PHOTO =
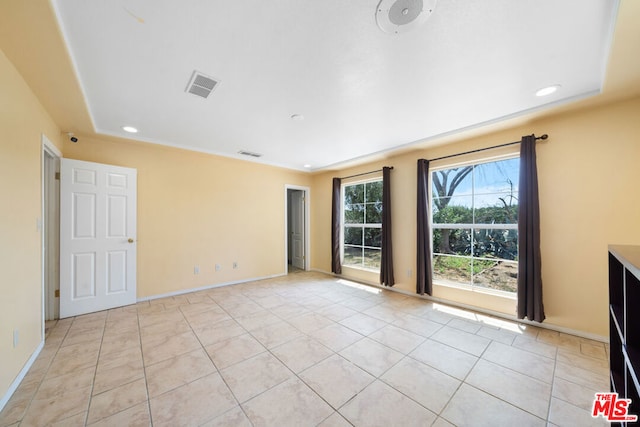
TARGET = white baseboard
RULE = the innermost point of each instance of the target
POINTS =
(204, 288)
(550, 326)
(14, 385)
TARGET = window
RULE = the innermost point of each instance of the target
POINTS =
(475, 225)
(362, 232)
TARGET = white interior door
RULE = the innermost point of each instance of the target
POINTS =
(97, 237)
(297, 229)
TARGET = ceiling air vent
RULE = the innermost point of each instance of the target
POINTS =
(201, 85)
(249, 153)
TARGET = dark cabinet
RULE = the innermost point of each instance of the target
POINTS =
(624, 322)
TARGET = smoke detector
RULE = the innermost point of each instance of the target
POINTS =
(201, 85)
(399, 16)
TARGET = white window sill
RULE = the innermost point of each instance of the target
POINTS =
(365, 269)
(478, 289)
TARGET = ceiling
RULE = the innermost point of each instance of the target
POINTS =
(361, 91)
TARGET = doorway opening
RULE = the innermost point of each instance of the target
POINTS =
(296, 228)
(50, 230)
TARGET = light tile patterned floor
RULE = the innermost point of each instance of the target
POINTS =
(306, 349)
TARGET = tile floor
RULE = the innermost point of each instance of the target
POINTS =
(306, 349)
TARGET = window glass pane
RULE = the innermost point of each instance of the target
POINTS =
(374, 213)
(354, 214)
(373, 191)
(353, 235)
(452, 241)
(354, 194)
(373, 237)
(497, 177)
(500, 275)
(484, 194)
(498, 208)
(372, 258)
(452, 210)
(496, 243)
(451, 182)
(452, 270)
(352, 256)
(362, 206)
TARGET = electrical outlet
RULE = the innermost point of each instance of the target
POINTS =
(235, 264)
(409, 273)
(16, 338)
(196, 270)
(217, 267)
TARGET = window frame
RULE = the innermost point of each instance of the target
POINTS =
(364, 225)
(471, 227)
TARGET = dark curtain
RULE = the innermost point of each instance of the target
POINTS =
(386, 264)
(424, 279)
(336, 265)
(529, 261)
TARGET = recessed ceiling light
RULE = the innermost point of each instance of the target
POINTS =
(547, 90)
(129, 129)
(307, 166)
(297, 117)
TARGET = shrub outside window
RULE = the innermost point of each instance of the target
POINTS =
(475, 225)
(362, 219)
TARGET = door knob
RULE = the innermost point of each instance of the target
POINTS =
(130, 240)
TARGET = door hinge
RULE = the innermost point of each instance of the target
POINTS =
(57, 176)
(57, 293)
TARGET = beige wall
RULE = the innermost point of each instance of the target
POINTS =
(588, 171)
(199, 209)
(22, 122)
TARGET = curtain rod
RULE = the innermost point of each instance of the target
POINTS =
(364, 173)
(545, 136)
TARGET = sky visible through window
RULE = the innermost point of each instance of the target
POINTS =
(491, 181)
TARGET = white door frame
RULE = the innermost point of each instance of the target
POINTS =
(48, 148)
(307, 237)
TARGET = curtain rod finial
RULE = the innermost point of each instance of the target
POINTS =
(544, 136)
